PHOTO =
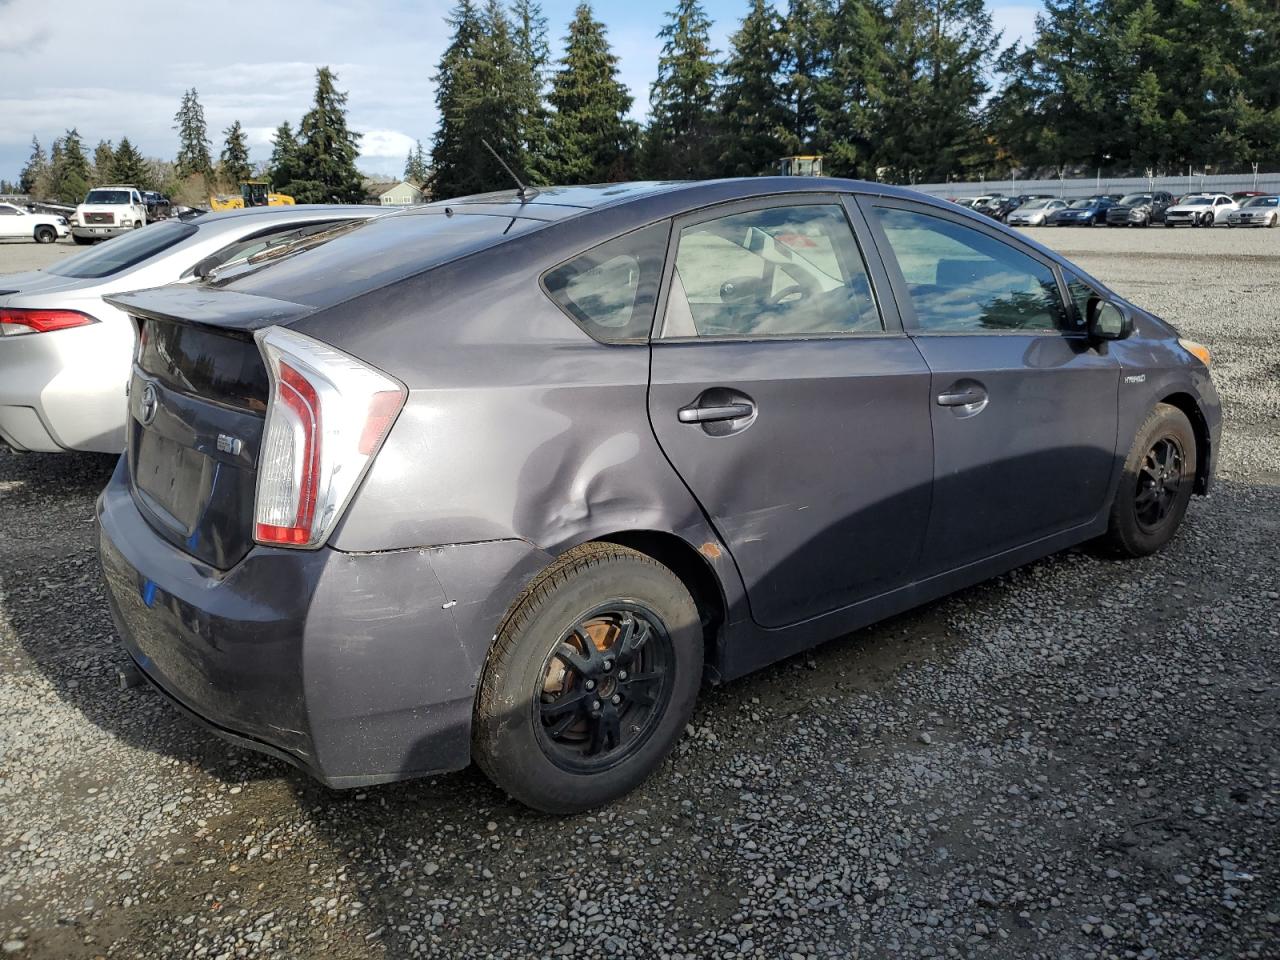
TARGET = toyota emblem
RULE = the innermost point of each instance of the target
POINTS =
(150, 404)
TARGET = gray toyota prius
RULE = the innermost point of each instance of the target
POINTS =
(506, 478)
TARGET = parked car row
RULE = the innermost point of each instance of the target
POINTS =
(1245, 208)
(503, 478)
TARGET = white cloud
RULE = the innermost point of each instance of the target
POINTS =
(389, 144)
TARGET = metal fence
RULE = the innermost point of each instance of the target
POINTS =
(1087, 186)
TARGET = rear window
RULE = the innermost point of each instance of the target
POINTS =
(123, 252)
(611, 290)
(371, 255)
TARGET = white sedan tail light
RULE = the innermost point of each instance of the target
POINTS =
(327, 416)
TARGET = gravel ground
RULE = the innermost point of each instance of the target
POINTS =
(1076, 760)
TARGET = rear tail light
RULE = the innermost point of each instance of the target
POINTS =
(327, 416)
(15, 321)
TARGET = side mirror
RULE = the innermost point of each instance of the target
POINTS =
(1108, 321)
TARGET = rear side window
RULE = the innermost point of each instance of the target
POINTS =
(123, 252)
(610, 291)
(963, 280)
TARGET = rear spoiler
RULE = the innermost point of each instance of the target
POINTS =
(187, 303)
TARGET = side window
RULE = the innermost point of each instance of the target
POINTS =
(610, 290)
(963, 280)
(1080, 293)
(778, 271)
(8, 212)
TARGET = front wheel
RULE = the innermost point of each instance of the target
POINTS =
(1155, 485)
(1275, 220)
(590, 681)
(46, 234)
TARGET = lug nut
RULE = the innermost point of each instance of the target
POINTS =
(595, 704)
(615, 699)
(590, 684)
(608, 664)
(622, 674)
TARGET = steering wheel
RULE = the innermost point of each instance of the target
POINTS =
(805, 285)
(786, 292)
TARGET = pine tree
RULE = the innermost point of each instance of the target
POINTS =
(938, 52)
(327, 149)
(36, 170)
(70, 175)
(591, 138)
(808, 60)
(193, 137)
(415, 166)
(234, 163)
(848, 98)
(129, 166)
(530, 85)
(283, 168)
(455, 149)
(104, 159)
(680, 142)
(752, 98)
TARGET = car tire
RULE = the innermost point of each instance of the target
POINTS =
(82, 241)
(1206, 219)
(1156, 483)
(45, 234)
(559, 724)
(1275, 220)
(137, 225)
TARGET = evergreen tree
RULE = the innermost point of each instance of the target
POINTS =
(36, 170)
(808, 60)
(129, 166)
(530, 84)
(327, 149)
(938, 53)
(234, 163)
(680, 141)
(591, 138)
(848, 98)
(193, 137)
(478, 91)
(104, 160)
(283, 168)
(70, 175)
(752, 99)
(415, 167)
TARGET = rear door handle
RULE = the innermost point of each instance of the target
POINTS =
(714, 412)
(962, 398)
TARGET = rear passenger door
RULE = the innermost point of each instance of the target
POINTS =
(786, 395)
(1023, 403)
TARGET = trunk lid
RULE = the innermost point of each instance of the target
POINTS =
(197, 407)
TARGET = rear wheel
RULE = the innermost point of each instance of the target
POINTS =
(1156, 484)
(590, 681)
(46, 234)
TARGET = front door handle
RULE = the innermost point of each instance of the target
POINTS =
(711, 413)
(964, 397)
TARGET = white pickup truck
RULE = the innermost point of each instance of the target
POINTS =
(108, 211)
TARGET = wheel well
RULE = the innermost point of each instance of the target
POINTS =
(1187, 404)
(693, 570)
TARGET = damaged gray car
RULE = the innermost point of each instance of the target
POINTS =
(508, 478)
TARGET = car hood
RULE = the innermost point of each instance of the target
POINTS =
(38, 281)
(1188, 208)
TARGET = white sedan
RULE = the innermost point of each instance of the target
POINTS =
(1202, 210)
(1256, 212)
(16, 223)
(1034, 213)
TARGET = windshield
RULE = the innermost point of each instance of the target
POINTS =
(1136, 198)
(1196, 202)
(107, 196)
(123, 252)
(1082, 204)
(1035, 204)
(1263, 202)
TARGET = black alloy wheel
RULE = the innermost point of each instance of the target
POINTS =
(1155, 486)
(1159, 479)
(605, 684)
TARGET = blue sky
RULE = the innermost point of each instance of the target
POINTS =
(255, 62)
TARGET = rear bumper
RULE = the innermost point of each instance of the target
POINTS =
(65, 390)
(353, 667)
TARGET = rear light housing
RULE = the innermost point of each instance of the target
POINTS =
(327, 416)
(17, 321)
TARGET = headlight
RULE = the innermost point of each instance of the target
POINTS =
(1197, 350)
(62, 221)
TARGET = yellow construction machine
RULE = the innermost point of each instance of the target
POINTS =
(253, 193)
(810, 166)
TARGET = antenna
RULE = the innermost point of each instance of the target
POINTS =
(523, 193)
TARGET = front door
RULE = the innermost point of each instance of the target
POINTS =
(792, 405)
(1023, 403)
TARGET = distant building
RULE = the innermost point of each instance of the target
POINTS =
(396, 194)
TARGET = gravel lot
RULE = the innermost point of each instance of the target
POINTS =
(1077, 760)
